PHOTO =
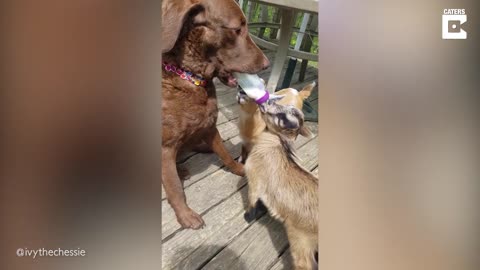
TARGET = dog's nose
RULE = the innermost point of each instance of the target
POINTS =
(266, 62)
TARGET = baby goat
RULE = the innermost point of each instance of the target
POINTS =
(276, 178)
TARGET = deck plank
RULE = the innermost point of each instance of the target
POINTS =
(309, 155)
(203, 195)
(256, 248)
(284, 262)
(189, 249)
(229, 98)
(229, 129)
(228, 113)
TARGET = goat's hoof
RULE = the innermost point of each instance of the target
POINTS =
(250, 215)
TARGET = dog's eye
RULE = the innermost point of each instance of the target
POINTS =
(238, 31)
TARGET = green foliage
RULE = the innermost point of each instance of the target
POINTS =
(256, 16)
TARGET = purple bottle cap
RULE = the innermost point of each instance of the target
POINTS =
(263, 99)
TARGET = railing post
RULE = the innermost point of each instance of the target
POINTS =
(288, 17)
(303, 27)
(264, 18)
(307, 45)
(275, 19)
(248, 13)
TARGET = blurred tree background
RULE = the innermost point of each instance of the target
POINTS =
(270, 16)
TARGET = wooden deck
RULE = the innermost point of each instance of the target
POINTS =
(228, 241)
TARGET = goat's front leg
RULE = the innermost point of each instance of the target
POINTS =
(255, 212)
(250, 214)
(255, 208)
(302, 247)
(243, 155)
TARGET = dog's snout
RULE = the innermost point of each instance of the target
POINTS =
(266, 62)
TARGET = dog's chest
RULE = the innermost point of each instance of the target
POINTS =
(187, 111)
(207, 114)
(190, 108)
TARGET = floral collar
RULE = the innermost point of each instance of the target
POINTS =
(186, 75)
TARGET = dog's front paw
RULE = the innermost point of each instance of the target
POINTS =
(238, 169)
(189, 219)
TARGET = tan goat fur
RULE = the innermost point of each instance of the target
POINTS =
(289, 191)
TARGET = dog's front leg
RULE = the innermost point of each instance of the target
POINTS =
(175, 194)
(216, 142)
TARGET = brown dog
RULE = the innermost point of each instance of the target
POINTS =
(208, 38)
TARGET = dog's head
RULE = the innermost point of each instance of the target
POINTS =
(213, 31)
(285, 120)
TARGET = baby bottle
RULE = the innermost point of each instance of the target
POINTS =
(253, 86)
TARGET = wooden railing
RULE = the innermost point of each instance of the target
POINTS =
(264, 24)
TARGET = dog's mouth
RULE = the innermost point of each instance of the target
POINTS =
(228, 79)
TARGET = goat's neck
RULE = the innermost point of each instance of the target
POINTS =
(251, 123)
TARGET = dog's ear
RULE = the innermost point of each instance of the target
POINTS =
(174, 15)
(307, 91)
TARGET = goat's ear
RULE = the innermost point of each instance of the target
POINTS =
(305, 132)
(174, 14)
(307, 91)
(274, 98)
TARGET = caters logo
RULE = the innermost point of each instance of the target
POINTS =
(452, 21)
